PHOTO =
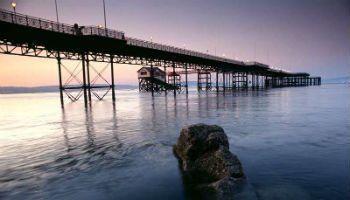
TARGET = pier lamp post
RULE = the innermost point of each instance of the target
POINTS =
(56, 11)
(104, 13)
(13, 4)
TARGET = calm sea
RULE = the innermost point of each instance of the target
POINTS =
(294, 143)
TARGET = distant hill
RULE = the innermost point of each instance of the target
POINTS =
(337, 80)
(45, 89)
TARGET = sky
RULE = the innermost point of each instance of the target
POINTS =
(296, 35)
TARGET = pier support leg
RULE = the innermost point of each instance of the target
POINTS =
(112, 79)
(223, 81)
(186, 78)
(152, 85)
(217, 80)
(174, 83)
(246, 80)
(229, 81)
(60, 79)
(88, 78)
(166, 91)
(198, 83)
(234, 80)
(84, 79)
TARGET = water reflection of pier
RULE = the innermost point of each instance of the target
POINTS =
(88, 143)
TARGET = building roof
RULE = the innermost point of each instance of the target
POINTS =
(149, 69)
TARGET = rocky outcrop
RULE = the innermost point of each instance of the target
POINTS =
(206, 162)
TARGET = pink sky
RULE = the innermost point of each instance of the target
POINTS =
(28, 71)
(310, 36)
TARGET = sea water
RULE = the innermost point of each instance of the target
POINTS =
(294, 143)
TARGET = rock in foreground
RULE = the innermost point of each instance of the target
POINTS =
(207, 164)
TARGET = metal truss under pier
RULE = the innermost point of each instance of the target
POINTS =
(86, 77)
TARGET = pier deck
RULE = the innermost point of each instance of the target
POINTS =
(30, 36)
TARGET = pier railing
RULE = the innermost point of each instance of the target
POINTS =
(44, 24)
(183, 51)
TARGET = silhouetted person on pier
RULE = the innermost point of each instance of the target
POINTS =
(77, 29)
